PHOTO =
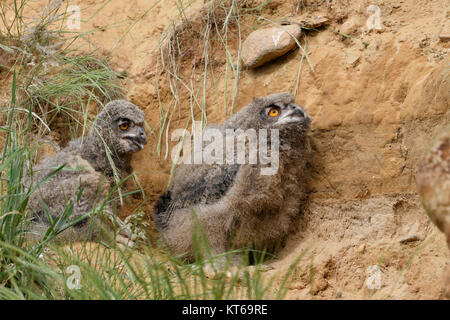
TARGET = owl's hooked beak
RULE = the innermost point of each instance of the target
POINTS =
(294, 113)
(139, 138)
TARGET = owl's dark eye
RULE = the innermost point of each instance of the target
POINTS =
(273, 111)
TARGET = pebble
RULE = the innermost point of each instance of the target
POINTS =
(411, 238)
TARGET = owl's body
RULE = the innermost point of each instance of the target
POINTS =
(236, 205)
(84, 175)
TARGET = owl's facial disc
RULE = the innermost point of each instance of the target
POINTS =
(132, 134)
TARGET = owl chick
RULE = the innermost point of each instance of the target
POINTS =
(91, 167)
(236, 205)
(433, 183)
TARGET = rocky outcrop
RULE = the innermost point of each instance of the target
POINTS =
(433, 183)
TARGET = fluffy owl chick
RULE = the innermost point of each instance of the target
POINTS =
(433, 183)
(87, 175)
(235, 204)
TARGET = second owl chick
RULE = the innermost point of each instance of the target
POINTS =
(91, 167)
(236, 205)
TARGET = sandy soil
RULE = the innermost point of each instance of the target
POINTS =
(377, 100)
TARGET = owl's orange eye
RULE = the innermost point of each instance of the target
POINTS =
(123, 126)
(273, 112)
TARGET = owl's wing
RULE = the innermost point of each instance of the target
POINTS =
(192, 185)
(77, 182)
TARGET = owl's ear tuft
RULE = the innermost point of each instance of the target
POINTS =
(258, 101)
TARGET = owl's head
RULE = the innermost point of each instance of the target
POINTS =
(276, 111)
(121, 125)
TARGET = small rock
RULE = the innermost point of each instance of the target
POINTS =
(122, 73)
(362, 248)
(264, 267)
(319, 285)
(411, 238)
(265, 45)
(297, 286)
(444, 37)
(339, 295)
(352, 58)
(315, 22)
(423, 42)
(350, 26)
(99, 27)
